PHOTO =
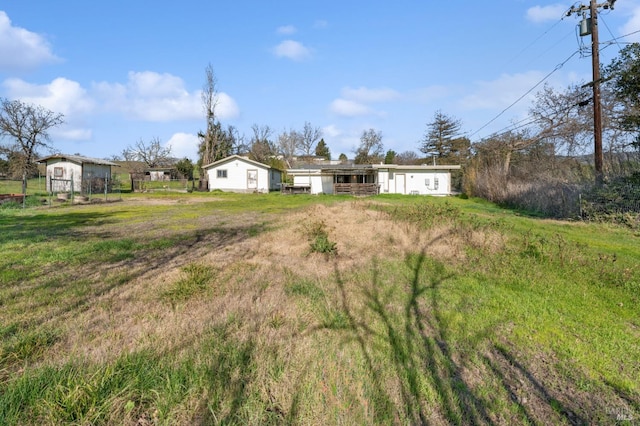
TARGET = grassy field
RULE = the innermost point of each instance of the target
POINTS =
(272, 309)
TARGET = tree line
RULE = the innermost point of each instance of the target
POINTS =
(542, 158)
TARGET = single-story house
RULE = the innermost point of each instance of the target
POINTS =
(240, 174)
(371, 179)
(67, 173)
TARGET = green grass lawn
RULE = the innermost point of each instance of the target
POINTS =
(216, 308)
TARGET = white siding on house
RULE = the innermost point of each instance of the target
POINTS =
(314, 180)
(391, 178)
(414, 181)
(236, 174)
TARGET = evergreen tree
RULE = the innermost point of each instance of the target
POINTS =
(322, 150)
(443, 140)
(390, 157)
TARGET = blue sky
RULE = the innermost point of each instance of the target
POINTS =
(122, 71)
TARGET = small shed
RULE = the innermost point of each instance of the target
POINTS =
(161, 174)
(240, 174)
(78, 173)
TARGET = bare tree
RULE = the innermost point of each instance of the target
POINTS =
(408, 158)
(288, 144)
(129, 154)
(209, 138)
(238, 144)
(564, 119)
(28, 126)
(308, 138)
(261, 148)
(371, 149)
(152, 154)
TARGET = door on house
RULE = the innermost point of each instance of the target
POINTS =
(252, 179)
(400, 184)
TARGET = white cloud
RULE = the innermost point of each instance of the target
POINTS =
(632, 25)
(348, 108)
(503, 92)
(286, 30)
(184, 145)
(551, 12)
(74, 134)
(61, 95)
(331, 131)
(21, 49)
(355, 102)
(293, 50)
(152, 96)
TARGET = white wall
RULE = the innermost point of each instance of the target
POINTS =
(236, 180)
(69, 170)
(392, 180)
(421, 182)
(80, 173)
(314, 180)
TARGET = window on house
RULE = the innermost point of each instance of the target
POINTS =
(58, 172)
(427, 182)
(435, 183)
(222, 174)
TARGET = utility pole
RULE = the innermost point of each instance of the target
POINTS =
(590, 26)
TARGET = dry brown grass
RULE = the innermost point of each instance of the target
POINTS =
(250, 284)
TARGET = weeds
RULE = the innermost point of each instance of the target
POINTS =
(539, 324)
(318, 236)
(194, 280)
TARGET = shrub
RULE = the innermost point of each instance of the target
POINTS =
(319, 238)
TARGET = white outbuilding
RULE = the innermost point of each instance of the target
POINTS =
(76, 173)
(240, 174)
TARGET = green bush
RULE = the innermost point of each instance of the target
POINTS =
(319, 238)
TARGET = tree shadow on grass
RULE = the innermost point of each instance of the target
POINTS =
(35, 227)
(230, 371)
(425, 357)
(59, 292)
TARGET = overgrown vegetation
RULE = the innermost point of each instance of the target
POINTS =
(318, 236)
(187, 309)
(194, 280)
(618, 201)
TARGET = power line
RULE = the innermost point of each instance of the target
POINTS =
(528, 120)
(534, 41)
(560, 65)
(613, 37)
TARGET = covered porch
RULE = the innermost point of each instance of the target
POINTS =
(354, 180)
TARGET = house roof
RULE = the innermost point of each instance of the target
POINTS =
(365, 168)
(418, 167)
(237, 157)
(77, 159)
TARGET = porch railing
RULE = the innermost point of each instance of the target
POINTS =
(356, 188)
